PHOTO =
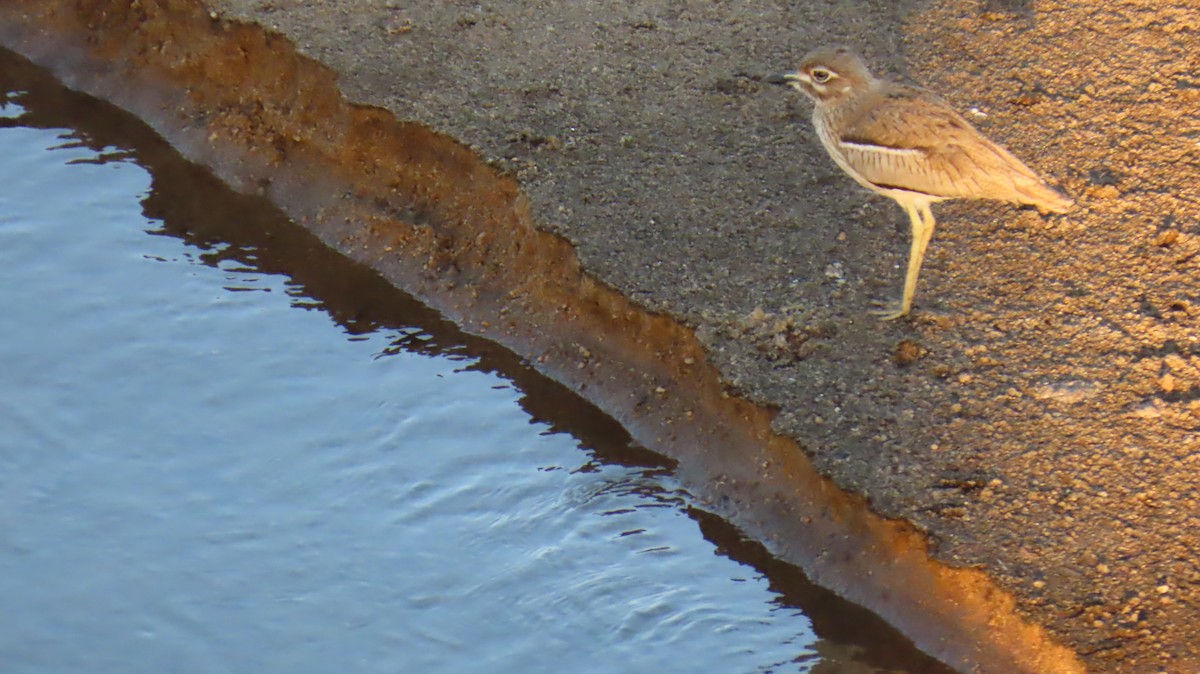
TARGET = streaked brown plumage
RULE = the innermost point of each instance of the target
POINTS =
(908, 144)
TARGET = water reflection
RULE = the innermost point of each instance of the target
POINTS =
(223, 479)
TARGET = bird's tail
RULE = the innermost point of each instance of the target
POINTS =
(1021, 184)
(1045, 197)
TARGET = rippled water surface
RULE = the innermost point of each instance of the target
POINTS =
(224, 448)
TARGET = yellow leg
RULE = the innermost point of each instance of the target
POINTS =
(922, 231)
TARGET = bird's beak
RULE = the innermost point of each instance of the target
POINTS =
(784, 79)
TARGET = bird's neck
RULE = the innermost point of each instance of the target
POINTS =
(835, 108)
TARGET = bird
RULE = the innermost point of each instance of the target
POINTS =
(907, 143)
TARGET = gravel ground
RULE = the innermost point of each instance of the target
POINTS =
(1038, 414)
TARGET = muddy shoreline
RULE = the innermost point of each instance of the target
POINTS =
(988, 440)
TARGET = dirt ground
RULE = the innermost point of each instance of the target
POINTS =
(1037, 416)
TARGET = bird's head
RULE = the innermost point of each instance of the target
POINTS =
(828, 74)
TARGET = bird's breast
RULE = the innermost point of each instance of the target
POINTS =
(826, 126)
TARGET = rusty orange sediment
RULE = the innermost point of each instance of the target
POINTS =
(430, 216)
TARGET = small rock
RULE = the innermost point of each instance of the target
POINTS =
(835, 272)
(1068, 392)
(1151, 409)
(1167, 382)
(1167, 238)
(1104, 176)
(907, 352)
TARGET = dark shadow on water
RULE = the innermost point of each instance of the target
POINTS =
(190, 204)
(846, 629)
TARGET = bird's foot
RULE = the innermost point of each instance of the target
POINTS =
(889, 311)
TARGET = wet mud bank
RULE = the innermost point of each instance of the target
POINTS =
(434, 219)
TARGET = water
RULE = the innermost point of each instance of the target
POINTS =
(224, 448)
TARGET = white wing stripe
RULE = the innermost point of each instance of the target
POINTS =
(882, 149)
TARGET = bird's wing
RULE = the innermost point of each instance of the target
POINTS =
(911, 140)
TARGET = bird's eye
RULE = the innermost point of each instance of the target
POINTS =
(820, 75)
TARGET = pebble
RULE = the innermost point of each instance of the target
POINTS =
(1167, 382)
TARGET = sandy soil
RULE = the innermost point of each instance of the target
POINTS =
(1038, 414)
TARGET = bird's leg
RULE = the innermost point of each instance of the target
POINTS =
(922, 222)
(922, 231)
